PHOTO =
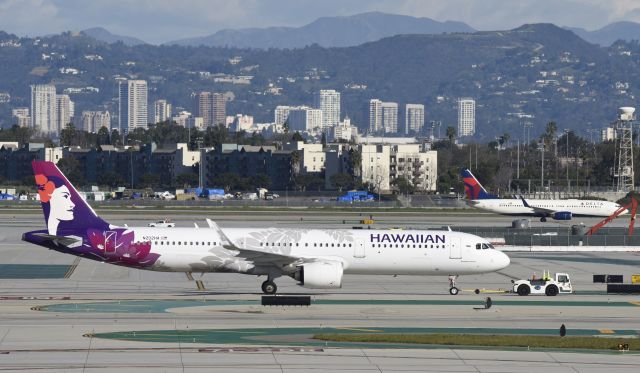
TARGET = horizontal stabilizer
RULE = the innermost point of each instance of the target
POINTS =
(65, 241)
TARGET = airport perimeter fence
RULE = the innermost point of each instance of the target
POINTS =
(290, 201)
(565, 240)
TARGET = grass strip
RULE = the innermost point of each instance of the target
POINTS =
(590, 343)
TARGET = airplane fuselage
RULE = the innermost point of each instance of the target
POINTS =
(409, 252)
(516, 207)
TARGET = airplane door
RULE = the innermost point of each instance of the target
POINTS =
(455, 249)
(359, 249)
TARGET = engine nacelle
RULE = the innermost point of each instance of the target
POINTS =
(320, 275)
(562, 215)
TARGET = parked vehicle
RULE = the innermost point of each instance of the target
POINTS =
(551, 286)
(162, 224)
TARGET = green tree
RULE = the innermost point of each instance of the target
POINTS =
(342, 181)
(187, 180)
(403, 185)
(115, 138)
(68, 135)
(111, 179)
(297, 137)
(451, 135)
(355, 162)
(261, 181)
(148, 180)
(102, 137)
(72, 170)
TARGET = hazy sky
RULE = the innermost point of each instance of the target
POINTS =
(158, 21)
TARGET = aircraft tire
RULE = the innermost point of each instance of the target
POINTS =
(543, 219)
(551, 290)
(524, 290)
(454, 290)
(269, 287)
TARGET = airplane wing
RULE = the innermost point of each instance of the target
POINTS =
(538, 210)
(255, 256)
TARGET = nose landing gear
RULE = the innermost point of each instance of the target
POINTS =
(453, 290)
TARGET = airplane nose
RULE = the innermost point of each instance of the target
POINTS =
(501, 260)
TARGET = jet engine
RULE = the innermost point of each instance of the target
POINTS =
(320, 275)
(562, 215)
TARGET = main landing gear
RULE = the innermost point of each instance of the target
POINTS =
(269, 287)
(543, 219)
(453, 290)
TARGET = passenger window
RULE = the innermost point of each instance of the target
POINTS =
(315, 244)
(306, 244)
(173, 243)
(350, 245)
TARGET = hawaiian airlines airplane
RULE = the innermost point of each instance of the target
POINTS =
(316, 258)
(557, 209)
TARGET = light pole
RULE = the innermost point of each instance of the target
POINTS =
(566, 133)
(541, 144)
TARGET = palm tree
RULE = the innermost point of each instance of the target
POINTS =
(451, 134)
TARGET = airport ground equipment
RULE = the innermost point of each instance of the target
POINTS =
(162, 224)
(633, 205)
(551, 286)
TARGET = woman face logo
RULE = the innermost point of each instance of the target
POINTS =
(56, 199)
(61, 204)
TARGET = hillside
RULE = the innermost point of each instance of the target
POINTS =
(535, 72)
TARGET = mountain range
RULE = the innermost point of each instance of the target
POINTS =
(351, 31)
(327, 32)
(608, 34)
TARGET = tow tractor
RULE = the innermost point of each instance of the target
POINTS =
(548, 285)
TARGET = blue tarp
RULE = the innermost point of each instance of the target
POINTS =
(7, 197)
(356, 196)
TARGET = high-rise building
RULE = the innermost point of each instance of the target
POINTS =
(43, 108)
(132, 105)
(219, 108)
(21, 116)
(303, 118)
(466, 116)
(281, 114)
(162, 111)
(328, 100)
(212, 107)
(375, 115)
(92, 121)
(64, 111)
(390, 117)
(414, 118)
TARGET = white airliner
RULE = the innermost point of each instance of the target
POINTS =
(316, 258)
(557, 209)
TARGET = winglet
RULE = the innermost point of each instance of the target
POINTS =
(524, 202)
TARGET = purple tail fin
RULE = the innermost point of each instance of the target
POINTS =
(64, 209)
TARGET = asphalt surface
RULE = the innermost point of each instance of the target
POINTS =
(81, 315)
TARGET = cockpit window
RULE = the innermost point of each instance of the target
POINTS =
(478, 246)
(486, 246)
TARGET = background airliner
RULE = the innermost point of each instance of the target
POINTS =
(557, 209)
(317, 258)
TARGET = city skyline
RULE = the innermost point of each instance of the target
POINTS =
(170, 20)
